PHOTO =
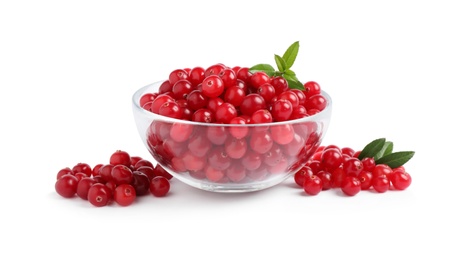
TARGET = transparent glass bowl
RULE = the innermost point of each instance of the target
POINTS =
(209, 156)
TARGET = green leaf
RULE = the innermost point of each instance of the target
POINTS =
(293, 82)
(386, 150)
(290, 54)
(372, 148)
(263, 67)
(396, 159)
(281, 64)
(290, 73)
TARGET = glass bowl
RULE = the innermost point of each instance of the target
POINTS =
(229, 157)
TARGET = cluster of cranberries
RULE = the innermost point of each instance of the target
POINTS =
(332, 167)
(120, 180)
(220, 94)
(229, 151)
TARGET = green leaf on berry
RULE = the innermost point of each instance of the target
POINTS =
(290, 54)
(396, 159)
(372, 148)
(386, 150)
(284, 64)
(263, 67)
(281, 64)
(293, 82)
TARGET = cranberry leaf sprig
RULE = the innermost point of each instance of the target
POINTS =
(382, 152)
(284, 64)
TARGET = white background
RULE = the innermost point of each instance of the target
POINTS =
(68, 70)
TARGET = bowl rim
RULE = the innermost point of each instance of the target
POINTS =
(322, 115)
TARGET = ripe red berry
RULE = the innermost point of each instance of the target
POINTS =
(99, 195)
(64, 171)
(312, 185)
(140, 183)
(122, 174)
(159, 186)
(400, 179)
(82, 167)
(380, 183)
(83, 187)
(351, 186)
(302, 174)
(120, 157)
(331, 159)
(124, 194)
(258, 79)
(66, 186)
(212, 86)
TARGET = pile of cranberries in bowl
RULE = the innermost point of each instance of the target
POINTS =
(227, 129)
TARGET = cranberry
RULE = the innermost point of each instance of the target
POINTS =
(196, 100)
(177, 75)
(147, 170)
(238, 131)
(258, 79)
(212, 86)
(196, 76)
(282, 134)
(351, 186)
(159, 186)
(142, 162)
(99, 195)
(236, 173)
(181, 132)
(236, 148)
(251, 103)
(82, 167)
(352, 167)
(159, 171)
(331, 159)
(181, 89)
(122, 174)
(66, 186)
(124, 194)
(140, 183)
(311, 88)
(225, 113)
(312, 185)
(120, 157)
(282, 110)
(105, 172)
(234, 95)
(304, 173)
(83, 187)
(380, 183)
(365, 177)
(64, 171)
(228, 77)
(326, 179)
(400, 179)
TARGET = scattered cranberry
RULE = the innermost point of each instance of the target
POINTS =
(124, 194)
(104, 183)
(99, 195)
(340, 168)
(67, 185)
(313, 185)
(159, 186)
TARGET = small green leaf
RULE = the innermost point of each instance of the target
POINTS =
(293, 82)
(281, 64)
(263, 67)
(396, 159)
(290, 73)
(372, 148)
(386, 150)
(290, 54)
